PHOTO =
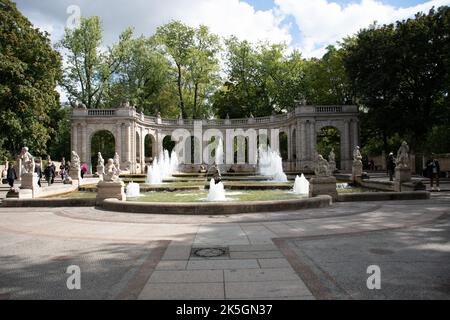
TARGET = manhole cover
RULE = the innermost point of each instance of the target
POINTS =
(209, 252)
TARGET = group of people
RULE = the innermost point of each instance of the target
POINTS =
(49, 172)
(432, 170)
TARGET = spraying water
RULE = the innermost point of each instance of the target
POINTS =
(301, 185)
(216, 191)
(162, 168)
(133, 190)
(271, 165)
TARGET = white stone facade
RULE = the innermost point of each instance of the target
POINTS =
(301, 126)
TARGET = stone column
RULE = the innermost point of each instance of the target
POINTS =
(289, 144)
(275, 140)
(312, 140)
(345, 157)
(83, 150)
(302, 140)
(74, 138)
(298, 145)
(128, 142)
(142, 145)
(118, 139)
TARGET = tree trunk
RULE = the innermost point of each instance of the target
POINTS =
(180, 93)
(194, 108)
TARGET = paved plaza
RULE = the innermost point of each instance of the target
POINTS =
(309, 254)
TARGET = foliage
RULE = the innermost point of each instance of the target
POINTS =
(29, 71)
(400, 75)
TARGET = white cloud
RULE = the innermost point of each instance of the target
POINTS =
(224, 17)
(323, 22)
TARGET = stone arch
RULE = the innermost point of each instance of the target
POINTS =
(150, 147)
(104, 141)
(283, 145)
(329, 137)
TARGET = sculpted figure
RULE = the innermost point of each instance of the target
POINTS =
(116, 161)
(403, 156)
(357, 154)
(27, 161)
(111, 172)
(322, 168)
(332, 156)
(75, 161)
(100, 161)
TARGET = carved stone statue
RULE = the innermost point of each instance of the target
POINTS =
(75, 161)
(27, 161)
(332, 160)
(357, 154)
(403, 156)
(111, 172)
(100, 165)
(322, 168)
(332, 156)
(116, 161)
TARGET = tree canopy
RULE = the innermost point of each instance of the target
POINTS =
(29, 71)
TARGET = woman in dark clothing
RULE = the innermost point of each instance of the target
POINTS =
(433, 172)
(11, 175)
(391, 166)
(38, 170)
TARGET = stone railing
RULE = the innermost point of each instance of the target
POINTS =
(101, 112)
(300, 110)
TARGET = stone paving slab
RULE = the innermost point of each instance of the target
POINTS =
(274, 263)
(186, 276)
(222, 264)
(182, 291)
(253, 275)
(172, 265)
(266, 289)
(256, 254)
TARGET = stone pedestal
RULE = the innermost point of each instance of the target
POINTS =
(402, 175)
(75, 173)
(100, 171)
(20, 193)
(110, 189)
(323, 185)
(29, 181)
(357, 171)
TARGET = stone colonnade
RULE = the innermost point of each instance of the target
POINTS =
(131, 128)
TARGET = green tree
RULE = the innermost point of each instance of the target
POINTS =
(400, 76)
(29, 72)
(89, 69)
(195, 65)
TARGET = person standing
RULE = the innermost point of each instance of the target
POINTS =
(433, 171)
(11, 175)
(391, 166)
(38, 171)
(52, 164)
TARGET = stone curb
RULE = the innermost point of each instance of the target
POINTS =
(383, 196)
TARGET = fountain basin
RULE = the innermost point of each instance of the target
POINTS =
(216, 208)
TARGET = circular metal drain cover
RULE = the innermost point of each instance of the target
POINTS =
(210, 252)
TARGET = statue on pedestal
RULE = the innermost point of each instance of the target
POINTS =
(357, 155)
(322, 168)
(100, 165)
(403, 156)
(116, 161)
(75, 161)
(27, 161)
(111, 172)
(332, 160)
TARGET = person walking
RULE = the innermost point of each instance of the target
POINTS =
(433, 172)
(38, 171)
(83, 170)
(49, 174)
(391, 166)
(62, 169)
(11, 175)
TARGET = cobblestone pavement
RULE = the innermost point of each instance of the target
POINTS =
(309, 254)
